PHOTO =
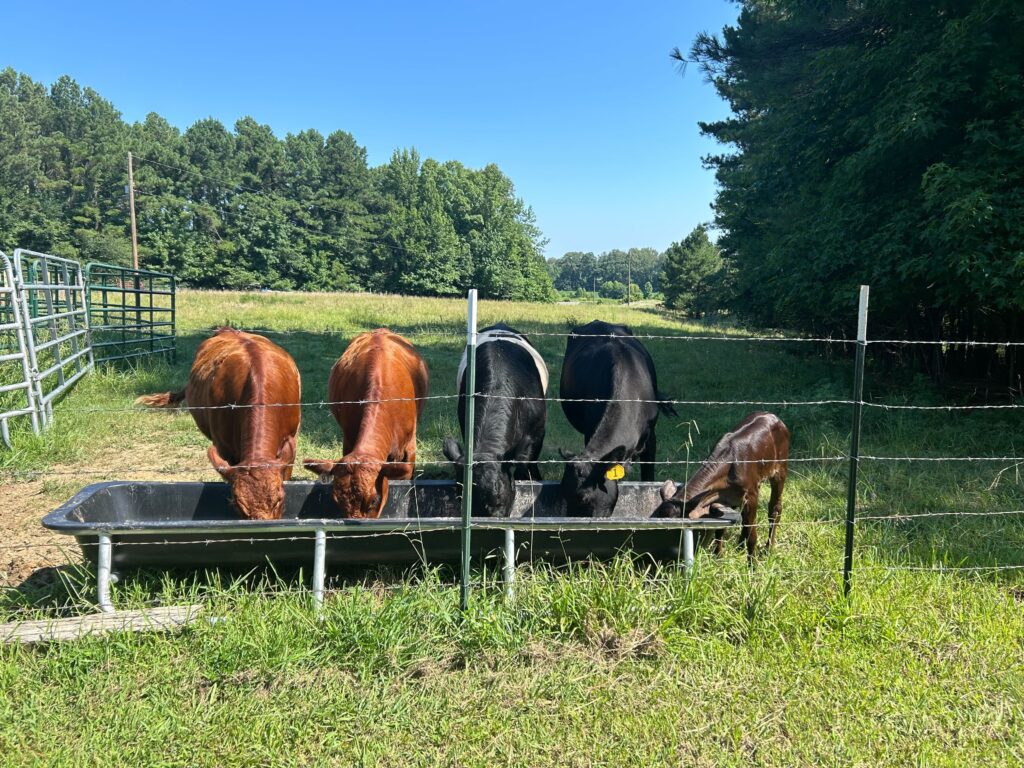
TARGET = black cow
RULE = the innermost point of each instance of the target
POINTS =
(603, 362)
(508, 433)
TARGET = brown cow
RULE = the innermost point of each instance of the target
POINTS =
(756, 450)
(387, 373)
(253, 447)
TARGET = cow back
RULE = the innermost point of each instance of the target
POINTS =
(237, 368)
(605, 364)
(377, 386)
(511, 378)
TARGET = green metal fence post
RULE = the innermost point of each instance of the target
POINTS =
(858, 397)
(174, 320)
(467, 476)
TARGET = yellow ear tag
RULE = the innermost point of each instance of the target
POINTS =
(615, 473)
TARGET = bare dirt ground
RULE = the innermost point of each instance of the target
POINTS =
(28, 550)
(25, 545)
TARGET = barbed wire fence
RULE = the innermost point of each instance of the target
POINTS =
(320, 538)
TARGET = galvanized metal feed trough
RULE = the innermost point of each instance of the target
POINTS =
(123, 525)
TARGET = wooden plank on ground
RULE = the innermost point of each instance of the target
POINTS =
(164, 619)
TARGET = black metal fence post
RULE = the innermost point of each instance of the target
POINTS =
(858, 397)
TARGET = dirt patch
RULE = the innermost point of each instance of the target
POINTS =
(25, 546)
(30, 551)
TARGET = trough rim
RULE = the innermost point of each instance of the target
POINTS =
(59, 520)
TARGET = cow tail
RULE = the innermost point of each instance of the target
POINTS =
(665, 406)
(162, 400)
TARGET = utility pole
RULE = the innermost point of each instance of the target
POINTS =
(131, 208)
(629, 277)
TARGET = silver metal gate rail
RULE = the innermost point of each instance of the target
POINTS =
(56, 321)
(15, 372)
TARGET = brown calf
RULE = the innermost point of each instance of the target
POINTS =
(253, 447)
(388, 373)
(756, 450)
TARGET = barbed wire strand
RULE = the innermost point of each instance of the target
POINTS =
(486, 461)
(373, 463)
(525, 330)
(142, 408)
(903, 517)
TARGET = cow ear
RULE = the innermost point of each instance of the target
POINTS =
(700, 510)
(395, 470)
(668, 490)
(286, 452)
(566, 455)
(323, 469)
(343, 467)
(225, 470)
(452, 450)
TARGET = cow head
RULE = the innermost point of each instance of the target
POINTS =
(257, 488)
(676, 502)
(359, 484)
(493, 491)
(587, 488)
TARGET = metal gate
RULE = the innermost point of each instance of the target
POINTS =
(56, 323)
(131, 312)
(17, 394)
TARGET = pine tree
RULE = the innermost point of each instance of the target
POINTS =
(689, 267)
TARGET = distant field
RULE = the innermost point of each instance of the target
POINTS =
(606, 665)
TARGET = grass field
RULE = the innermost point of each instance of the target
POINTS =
(613, 664)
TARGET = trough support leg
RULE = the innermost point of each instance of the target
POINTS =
(510, 562)
(319, 562)
(103, 573)
(688, 549)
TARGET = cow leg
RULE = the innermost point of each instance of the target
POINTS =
(648, 456)
(527, 457)
(749, 516)
(778, 482)
(718, 546)
(410, 459)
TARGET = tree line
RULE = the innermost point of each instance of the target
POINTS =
(689, 275)
(877, 142)
(243, 208)
(606, 275)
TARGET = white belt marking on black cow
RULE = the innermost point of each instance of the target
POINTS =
(486, 337)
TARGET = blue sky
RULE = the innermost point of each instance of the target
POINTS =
(578, 103)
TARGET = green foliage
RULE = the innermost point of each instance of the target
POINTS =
(241, 208)
(877, 142)
(690, 269)
(577, 271)
(613, 289)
